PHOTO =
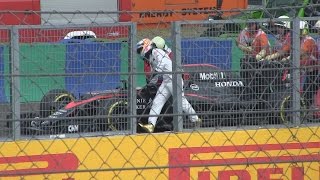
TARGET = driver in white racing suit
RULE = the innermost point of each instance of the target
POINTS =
(160, 62)
(161, 44)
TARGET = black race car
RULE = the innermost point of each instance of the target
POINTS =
(221, 98)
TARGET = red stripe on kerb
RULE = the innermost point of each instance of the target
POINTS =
(56, 163)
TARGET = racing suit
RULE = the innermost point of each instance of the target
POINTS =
(160, 62)
(148, 68)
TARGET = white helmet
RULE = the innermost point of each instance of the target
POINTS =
(159, 42)
(143, 46)
(303, 25)
(285, 24)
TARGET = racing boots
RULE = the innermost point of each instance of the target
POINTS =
(147, 127)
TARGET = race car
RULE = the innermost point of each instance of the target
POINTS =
(220, 98)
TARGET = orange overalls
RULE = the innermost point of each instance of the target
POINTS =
(309, 60)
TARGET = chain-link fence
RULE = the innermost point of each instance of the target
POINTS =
(80, 95)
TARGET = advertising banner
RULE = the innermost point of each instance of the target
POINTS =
(178, 10)
(252, 154)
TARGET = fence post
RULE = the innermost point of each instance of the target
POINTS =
(296, 71)
(177, 77)
(15, 81)
(132, 92)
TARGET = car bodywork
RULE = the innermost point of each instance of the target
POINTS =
(205, 85)
(219, 97)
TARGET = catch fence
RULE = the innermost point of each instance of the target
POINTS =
(79, 97)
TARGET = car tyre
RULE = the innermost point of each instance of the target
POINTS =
(112, 115)
(53, 100)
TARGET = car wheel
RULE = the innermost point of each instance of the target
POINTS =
(54, 100)
(112, 115)
(285, 105)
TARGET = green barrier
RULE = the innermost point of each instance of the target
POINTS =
(236, 56)
(42, 68)
(140, 78)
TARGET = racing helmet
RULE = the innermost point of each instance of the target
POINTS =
(159, 42)
(285, 24)
(143, 46)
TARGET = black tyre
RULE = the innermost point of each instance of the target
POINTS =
(277, 107)
(52, 101)
(280, 107)
(112, 115)
(285, 106)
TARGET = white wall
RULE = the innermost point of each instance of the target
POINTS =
(81, 6)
